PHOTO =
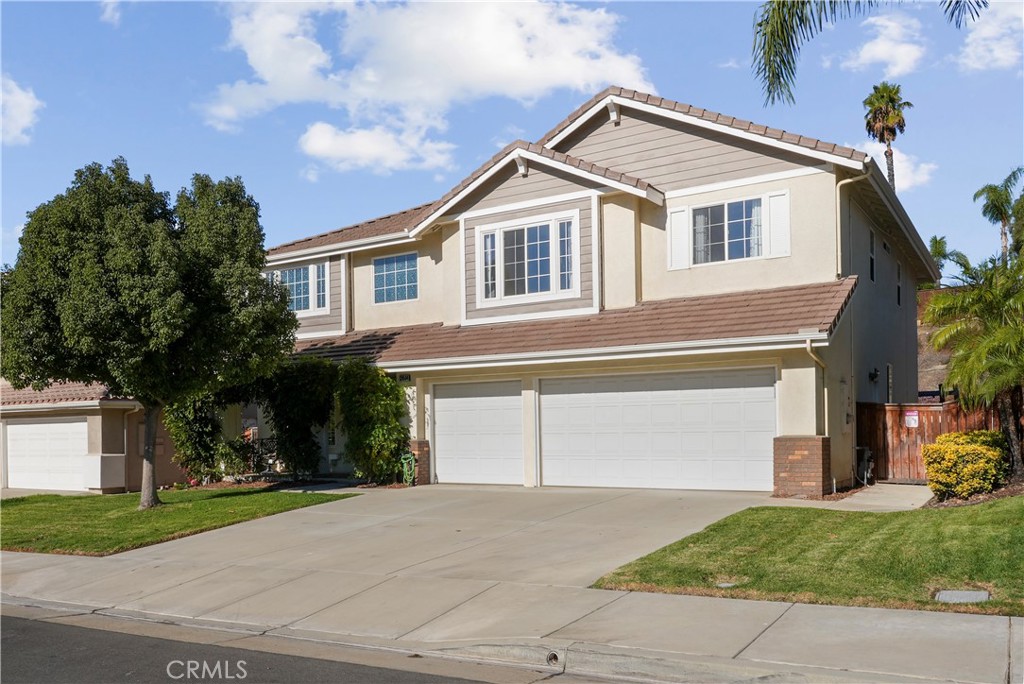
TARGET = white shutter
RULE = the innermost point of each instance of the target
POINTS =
(778, 224)
(678, 239)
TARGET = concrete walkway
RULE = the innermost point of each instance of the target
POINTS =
(501, 574)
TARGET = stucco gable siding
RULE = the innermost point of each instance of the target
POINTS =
(672, 155)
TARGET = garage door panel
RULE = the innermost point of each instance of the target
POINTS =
(47, 454)
(478, 433)
(708, 430)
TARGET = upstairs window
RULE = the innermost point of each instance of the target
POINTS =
(726, 232)
(307, 287)
(871, 255)
(899, 284)
(526, 260)
(395, 278)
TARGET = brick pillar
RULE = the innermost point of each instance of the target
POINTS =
(803, 466)
(420, 448)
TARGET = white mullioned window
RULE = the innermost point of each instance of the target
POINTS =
(308, 287)
(531, 259)
(395, 278)
(732, 230)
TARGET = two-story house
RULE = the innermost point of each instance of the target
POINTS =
(651, 295)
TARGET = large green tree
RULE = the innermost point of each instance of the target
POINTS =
(884, 119)
(114, 285)
(782, 27)
(982, 324)
(1001, 208)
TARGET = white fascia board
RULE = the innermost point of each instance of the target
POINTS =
(888, 196)
(319, 333)
(339, 248)
(701, 123)
(641, 351)
(651, 194)
(741, 182)
(70, 405)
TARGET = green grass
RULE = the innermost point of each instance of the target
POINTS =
(101, 525)
(836, 557)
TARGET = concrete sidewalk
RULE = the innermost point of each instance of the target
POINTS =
(501, 575)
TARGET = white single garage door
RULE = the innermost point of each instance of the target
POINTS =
(478, 433)
(47, 454)
(701, 430)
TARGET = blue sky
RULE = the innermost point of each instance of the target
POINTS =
(333, 113)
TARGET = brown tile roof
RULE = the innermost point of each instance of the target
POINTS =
(706, 115)
(404, 221)
(761, 313)
(57, 393)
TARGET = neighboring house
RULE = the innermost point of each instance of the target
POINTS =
(73, 436)
(652, 295)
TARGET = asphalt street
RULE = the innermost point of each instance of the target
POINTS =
(47, 653)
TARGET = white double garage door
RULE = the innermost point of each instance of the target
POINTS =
(693, 430)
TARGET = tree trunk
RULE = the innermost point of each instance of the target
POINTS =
(889, 166)
(1004, 240)
(148, 497)
(1009, 409)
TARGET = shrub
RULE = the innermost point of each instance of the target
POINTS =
(298, 399)
(962, 464)
(195, 429)
(372, 408)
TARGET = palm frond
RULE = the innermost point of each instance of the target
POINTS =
(957, 11)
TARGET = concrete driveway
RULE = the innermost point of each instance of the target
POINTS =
(566, 537)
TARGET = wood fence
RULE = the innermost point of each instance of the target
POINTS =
(895, 433)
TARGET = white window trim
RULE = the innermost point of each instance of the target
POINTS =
(766, 230)
(313, 310)
(555, 294)
(373, 272)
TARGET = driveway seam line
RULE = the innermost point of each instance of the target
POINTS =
(761, 633)
(317, 612)
(438, 617)
(236, 600)
(581, 617)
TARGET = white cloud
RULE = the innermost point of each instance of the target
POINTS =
(994, 40)
(19, 112)
(897, 45)
(910, 172)
(110, 12)
(378, 148)
(398, 70)
(826, 61)
(731, 63)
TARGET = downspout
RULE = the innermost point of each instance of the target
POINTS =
(839, 214)
(824, 390)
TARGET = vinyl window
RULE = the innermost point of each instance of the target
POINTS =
(395, 278)
(532, 259)
(308, 287)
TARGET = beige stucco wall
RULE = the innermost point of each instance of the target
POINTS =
(812, 243)
(619, 250)
(429, 307)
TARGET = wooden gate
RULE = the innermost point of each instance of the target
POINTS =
(895, 433)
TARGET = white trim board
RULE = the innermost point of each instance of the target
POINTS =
(321, 333)
(670, 349)
(741, 182)
(629, 103)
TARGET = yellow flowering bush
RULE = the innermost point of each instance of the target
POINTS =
(961, 464)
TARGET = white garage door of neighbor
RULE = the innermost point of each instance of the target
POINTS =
(478, 433)
(46, 455)
(701, 430)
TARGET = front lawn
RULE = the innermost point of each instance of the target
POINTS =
(101, 525)
(810, 555)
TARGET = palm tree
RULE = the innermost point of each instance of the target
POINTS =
(1001, 208)
(941, 253)
(782, 27)
(982, 324)
(884, 119)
